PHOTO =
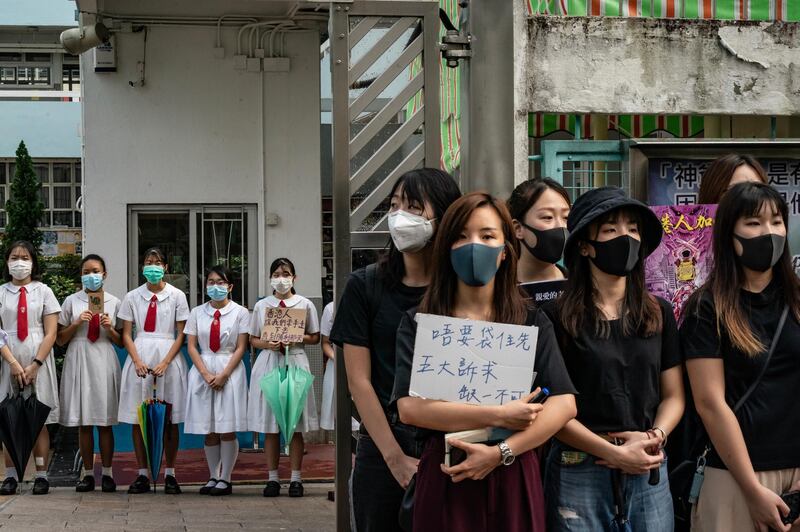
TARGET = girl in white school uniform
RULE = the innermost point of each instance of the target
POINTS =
(29, 314)
(90, 379)
(259, 414)
(216, 401)
(327, 410)
(159, 312)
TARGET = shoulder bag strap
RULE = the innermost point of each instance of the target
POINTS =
(761, 373)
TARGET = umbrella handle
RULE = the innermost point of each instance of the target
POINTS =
(154, 387)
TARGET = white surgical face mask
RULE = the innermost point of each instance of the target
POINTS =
(410, 232)
(282, 285)
(20, 269)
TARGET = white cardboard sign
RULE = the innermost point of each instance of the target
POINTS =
(470, 361)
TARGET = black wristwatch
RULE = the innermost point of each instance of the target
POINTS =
(39, 362)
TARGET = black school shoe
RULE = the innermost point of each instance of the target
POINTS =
(9, 486)
(108, 484)
(171, 486)
(295, 489)
(85, 484)
(41, 486)
(206, 490)
(272, 489)
(227, 490)
(140, 485)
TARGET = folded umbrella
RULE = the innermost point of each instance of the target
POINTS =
(21, 421)
(285, 389)
(152, 416)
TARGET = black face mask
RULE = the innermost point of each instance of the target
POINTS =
(761, 253)
(549, 243)
(617, 256)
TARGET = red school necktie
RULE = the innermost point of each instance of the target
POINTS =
(150, 320)
(213, 341)
(22, 315)
(282, 304)
(94, 328)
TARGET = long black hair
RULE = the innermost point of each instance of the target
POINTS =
(424, 185)
(726, 278)
(640, 312)
(527, 193)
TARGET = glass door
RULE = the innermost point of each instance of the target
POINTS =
(195, 238)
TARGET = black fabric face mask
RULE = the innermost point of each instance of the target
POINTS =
(549, 243)
(761, 253)
(617, 256)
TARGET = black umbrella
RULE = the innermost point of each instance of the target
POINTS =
(21, 421)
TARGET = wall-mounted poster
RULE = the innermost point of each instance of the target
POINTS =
(677, 182)
(683, 260)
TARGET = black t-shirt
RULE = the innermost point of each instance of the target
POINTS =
(548, 365)
(376, 329)
(770, 417)
(618, 378)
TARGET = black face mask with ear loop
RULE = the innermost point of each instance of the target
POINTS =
(549, 243)
(617, 256)
(761, 253)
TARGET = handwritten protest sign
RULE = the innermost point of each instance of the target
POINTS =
(96, 302)
(284, 325)
(470, 361)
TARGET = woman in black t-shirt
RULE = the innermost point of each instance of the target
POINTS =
(620, 346)
(728, 327)
(497, 487)
(367, 318)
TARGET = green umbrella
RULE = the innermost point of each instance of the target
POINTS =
(285, 388)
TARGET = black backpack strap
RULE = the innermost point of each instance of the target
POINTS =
(772, 345)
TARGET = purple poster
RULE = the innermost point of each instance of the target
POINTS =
(683, 260)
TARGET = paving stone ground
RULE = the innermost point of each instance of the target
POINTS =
(63, 508)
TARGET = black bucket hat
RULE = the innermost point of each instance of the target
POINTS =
(595, 204)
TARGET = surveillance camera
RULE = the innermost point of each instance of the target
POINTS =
(78, 40)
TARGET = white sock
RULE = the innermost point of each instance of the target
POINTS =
(169, 471)
(230, 452)
(143, 473)
(88, 473)
(296, 476)
(12, 472)
(107, 472)
(273, 476)
(212, 458)
(211, 483)
(41, 474)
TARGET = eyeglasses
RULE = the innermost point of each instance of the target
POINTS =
(218, 283)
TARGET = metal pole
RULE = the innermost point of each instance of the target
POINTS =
(340, 59)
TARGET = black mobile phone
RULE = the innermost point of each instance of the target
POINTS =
(457, 456)
(792, 500)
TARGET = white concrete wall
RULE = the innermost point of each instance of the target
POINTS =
(193, 134)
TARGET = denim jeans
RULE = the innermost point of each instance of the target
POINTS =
(375, 495)
(579, 496)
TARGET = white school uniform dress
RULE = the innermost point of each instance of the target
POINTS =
(152, 347)
(41, 302)
(208, 410)
(259, 414)
(91, 375)
(327, 413)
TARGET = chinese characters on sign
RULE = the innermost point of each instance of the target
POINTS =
(284, 325)
(683, 260)
(544, 291)
(677, 182)
(469, 361)
(96, 302)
